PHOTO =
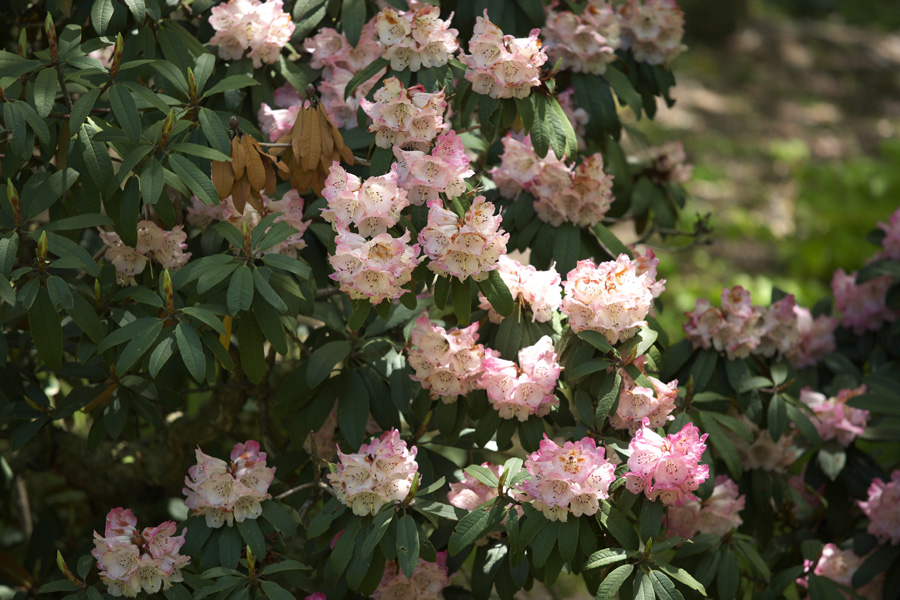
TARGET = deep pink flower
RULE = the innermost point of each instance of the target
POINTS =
(833, 418)
(862, 306)
(523, 389)
(883, 509)
(666, 468)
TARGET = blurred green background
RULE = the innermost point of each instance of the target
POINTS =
(789, 110)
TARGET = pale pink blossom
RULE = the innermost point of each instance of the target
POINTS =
(416, 39)
(718, 514)
(883, 509)
(227, 492)
(667, 468)
(891, 241)
(426, 583)
(377, 268)
(840, 566)
(524, 389)
(153, 243)
(585, 42)
(470, 493)
(132, 560)
(446, 362)
(815, 338)
(380, 473)
(613, 298)
(263, 28)
(652, 30)
(571, 478)
(127, 261)
(637, 402)
(539, 291)
(502, 66)
(405, 117)
(519, 166)
(862, 305)
(464, 247)
(666, 163)
(833, 418)
(277, 122)
(372, 206)
(444, 171)
(763, 452)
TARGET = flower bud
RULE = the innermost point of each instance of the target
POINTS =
(251, 564)
(167, 128)
(234, 123)
(248, 248)
(22, 47)
(61, 563)
(13, 195)
(97, 295)
(192, 86)
(169, 291)
(117, 56)
(42, 248)
(52, 41)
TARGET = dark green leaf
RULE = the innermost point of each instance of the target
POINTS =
(46, 85)
(191, 350)
(173, 74)
(618, 525)
(607, 556)
(240, 290)
(230, 547)
(568, 539)
(194, 179)
(60, 294)
(233, 82)
(407, 545)
(462, 300)
(253, 537)
(728, 576)
(126, 112)
(324, 359)
(201, 151)
(682, 576)
(624, 89)
(651, 519)
(353, 17)
(250, 342)
(46, 330)
(273, 591)
(610, 586)
(139, 345)
(364, 75)
(297, 266)
(101, 13)
(152, 181)
(213, 130)
(138, 9)
(777, 417)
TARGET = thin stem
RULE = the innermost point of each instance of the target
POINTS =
(62, 86)
(305, 486)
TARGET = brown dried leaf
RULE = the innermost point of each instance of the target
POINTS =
(222, 178)
(327, 138)
(240, 193)
(313, 147)
(238, 160)
(255, 171)
(270, 178)
(297, 136)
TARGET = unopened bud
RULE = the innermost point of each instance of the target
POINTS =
(167, 128)
(22, 48)
(117, 56)
(234, 123)
(192, 86)
(169, 292)
(61, 563)
(251, 564)
(42, 248)
(248, 248)
(52, 41)
(97, 295)
(13, 195)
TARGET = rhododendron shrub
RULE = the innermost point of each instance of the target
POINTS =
(339, 295)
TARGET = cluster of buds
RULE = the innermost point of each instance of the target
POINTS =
(381, 472)
(883, 509)
(153, 243)
(580, 195)
(518, 391)
(586, 42)
(666, 163)
(444, 171)
(667, 468)
(613, 297)
(718, 514)
(426, 583)
(250, 173)
(227, 492)
(652, 30)
(416, 39)
(540, 291)
(502, 66)
(740, 328)
(863, 306)
(339, 62)
(262, 27)
(834, 420)
(572, 478)
(470, 493)
(637, 403)
(763, 452)
(446, 362)
(291, 206)
(130, 560)
(470, 246)
(405, 117)
(371, 263)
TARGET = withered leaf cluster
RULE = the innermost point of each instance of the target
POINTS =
(250, 172)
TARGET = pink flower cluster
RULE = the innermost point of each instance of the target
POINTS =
(277, 122)
(262, 27)
(416, 39)
(130, 560)
(524, 389)
(224, 492)
(375, 268)
(891, 241)
(637, 403)
(290, 205)
(572, 478)
(467, 247)
(380, 473)
(579, 195)
(666, 468)
(666, 163)
(444, 171)
(502, 66)
(613, 297)
(652, 30)
(764, 453)
(540, 290)
(153, 243)
(740, 328)
(833, 418)
(405, 117)
(883, 509)
(448, 363)
(718, 514)
(426, 583)
(586, 42)
(339, 62)
(470, 493)
(862, 305)
(839, 566)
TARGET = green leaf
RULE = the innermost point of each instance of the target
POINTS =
(240, 290)
(201, 151)
(353, 17)
(96, 158)
(261, 283)
(324, 359)
(126, 112)
(343, 549)
(568, 539)
(152, 181)
(161, 355)
(46, 85)
(407, 545)
(353, 406)
(544, 544)
(728, 576)
(552, 129)
(82, 108)
(297, 266)
(462, 300)
(34, 120)
(191, 350)
(101, 13)
(380, 525)
(232, 82)
(623, 88)
(171, 72)
(273, 591)
(483, 474)
(279, 517)
(215, 275)
(213, 129)
(23, 434)
(139, 345)
(366, 74)
(86, 318)
(644, 587)
(596, 339)
(253, 537)
(194, 179)
(250, 342)
(875, 563)
(270, 325)
(682, 576)
(722, 444)
(566, 246)
(473, 526)
(663, 586)
(651, 519)
(593, 95)
(60, 294)
(618, 525)
(607, 556)
(46, 330)
(610, 586)
(777, 417)
(832, 459)
(138, 9)
(230, 547)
